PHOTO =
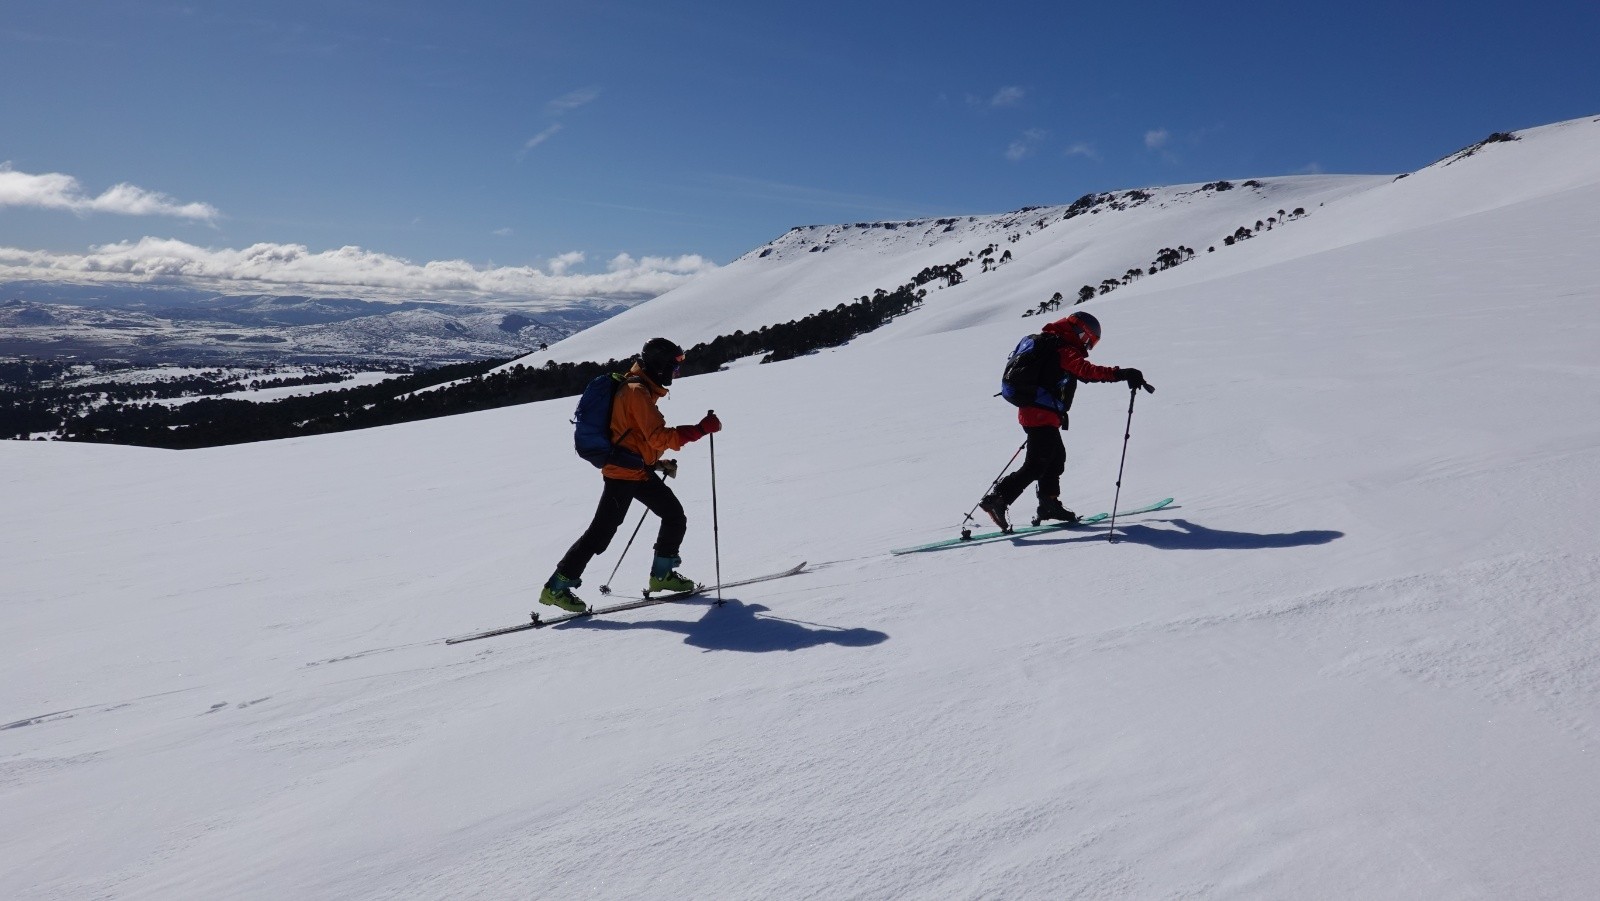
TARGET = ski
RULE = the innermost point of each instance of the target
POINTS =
(632, 604)
(1029, 530)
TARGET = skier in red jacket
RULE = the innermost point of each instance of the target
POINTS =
(1045, 420)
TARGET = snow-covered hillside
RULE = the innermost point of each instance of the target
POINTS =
(1357, 659)
(1054, 249)
(1051, 249)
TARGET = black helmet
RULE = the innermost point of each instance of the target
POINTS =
(660, 359)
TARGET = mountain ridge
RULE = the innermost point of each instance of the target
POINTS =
(1062, 249)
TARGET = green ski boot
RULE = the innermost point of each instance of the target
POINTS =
(558, 593)
(664, 578)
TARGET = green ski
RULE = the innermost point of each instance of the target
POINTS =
(1028, 530)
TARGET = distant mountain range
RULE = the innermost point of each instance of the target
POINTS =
(175, 325)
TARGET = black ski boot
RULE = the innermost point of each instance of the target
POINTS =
(995, 506)
(1050, 508)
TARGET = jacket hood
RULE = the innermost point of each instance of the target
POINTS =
(1063, 330)
(638, 371)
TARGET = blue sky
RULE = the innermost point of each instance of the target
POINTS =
(507, 134)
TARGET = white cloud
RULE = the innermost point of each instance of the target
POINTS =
(1156, 138)
(538, 139)
(293, 268)
(1083, 149)
(560, 264)
(502, 233)
(1024, 146)
(556, 108)
(57, 191)
(1311, 169)
(568, 102)
(1010, 95)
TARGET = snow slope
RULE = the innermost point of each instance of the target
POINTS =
(818, 267)
(1358, 659)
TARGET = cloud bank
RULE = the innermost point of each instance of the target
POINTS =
(58, 191)
(350, 271)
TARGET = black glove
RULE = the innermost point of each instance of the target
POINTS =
(1135, 379)
(667, 468)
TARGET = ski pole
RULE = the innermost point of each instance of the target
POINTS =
(606, 588)
(1133, 394)
(996, 481)
(716, 534)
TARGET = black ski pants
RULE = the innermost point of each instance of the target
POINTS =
(1044, 462)
(615, 499)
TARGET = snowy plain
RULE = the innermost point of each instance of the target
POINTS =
(1359, 658)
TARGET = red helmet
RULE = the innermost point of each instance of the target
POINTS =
(1086, 328)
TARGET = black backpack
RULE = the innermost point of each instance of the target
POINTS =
(1033, 376)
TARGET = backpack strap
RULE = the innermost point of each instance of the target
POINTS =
(621, 456)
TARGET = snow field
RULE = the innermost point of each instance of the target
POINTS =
(1357, 659)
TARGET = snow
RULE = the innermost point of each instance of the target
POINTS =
(791, 281)
(1357, 659)
(267, 395)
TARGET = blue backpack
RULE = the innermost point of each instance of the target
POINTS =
(591, 435)
(1033, 376)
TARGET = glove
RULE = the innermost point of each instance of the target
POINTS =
(709, 425)
(668, 468)
(1134, 378)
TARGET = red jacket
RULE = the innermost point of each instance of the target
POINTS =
(1074, 362)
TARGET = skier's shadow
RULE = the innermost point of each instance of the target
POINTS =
(736, 626)
(1191, 537)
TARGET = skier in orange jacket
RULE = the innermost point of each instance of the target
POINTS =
(636, 426)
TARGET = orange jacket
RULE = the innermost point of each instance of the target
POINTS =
(638, 426)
